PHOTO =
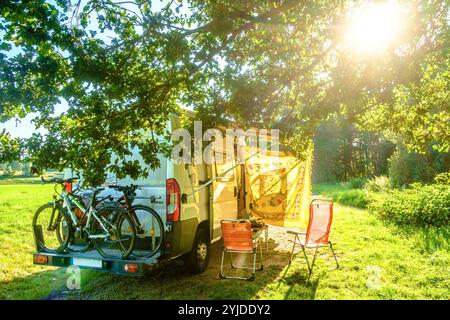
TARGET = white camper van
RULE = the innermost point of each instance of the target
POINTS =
(191, 199)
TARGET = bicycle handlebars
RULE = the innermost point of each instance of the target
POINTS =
(125, 189)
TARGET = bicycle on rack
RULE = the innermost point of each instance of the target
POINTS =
(67, 224)
(148, 223)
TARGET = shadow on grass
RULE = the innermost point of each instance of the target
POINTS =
(170, 280)
(35, 286)
(429, 239)
(300, 283)
(301, 286)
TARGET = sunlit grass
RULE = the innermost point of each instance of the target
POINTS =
(19, 278)
(413, 265)
(343, 194)
(364, 244)
(18, 179)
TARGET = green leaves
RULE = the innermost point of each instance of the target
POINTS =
(4, 46)
(9, 148)
(420, 206)
(125, 67)
(419, 112)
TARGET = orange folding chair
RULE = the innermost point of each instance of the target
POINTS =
(316, 235)
(238, 237)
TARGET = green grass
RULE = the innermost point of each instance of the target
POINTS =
(19, 179)
(412, 265)
(363, 243)
(19, 278)
(343, 194)
(22, 179)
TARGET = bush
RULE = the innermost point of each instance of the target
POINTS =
(356, 183)
(378, 184)
(408, 167)
(354, 198)
(443, 178)
(8, 171)
(26, 170)
(420, 206)
(12, 168)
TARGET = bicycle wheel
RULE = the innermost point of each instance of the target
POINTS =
(52, 228)
(151, 234)
(119, 242)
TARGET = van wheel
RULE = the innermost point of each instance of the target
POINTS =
(198, 259)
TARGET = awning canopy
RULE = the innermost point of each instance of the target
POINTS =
(279, 187)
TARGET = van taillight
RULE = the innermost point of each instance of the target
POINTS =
(131, 268)
(39, 259)
(172, 200)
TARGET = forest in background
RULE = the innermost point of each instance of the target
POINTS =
(344, 152)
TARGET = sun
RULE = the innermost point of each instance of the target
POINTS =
(374, 27)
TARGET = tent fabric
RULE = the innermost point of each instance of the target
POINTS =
(279, 187)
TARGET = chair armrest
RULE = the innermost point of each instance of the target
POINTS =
(296, 231)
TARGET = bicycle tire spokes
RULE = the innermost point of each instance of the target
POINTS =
(150, 237)
(119, 242)
(54, 227)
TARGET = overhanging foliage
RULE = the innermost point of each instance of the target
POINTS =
(128, 64)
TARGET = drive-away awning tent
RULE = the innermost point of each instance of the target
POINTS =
(279, 188)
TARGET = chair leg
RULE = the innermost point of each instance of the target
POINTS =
(261, 254)
(306, 258)
(314, 259)
(293, 248)
(231, 258)
(334, 254)
(221, 265)
(254, 267)
(267, 239)
(290, 262)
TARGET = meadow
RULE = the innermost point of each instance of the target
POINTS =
(377, 261)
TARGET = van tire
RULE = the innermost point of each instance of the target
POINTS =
(198, 259)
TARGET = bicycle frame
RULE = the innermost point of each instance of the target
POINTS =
(90, 212)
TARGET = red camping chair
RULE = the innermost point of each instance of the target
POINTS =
(238, 237)
(316, 235)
